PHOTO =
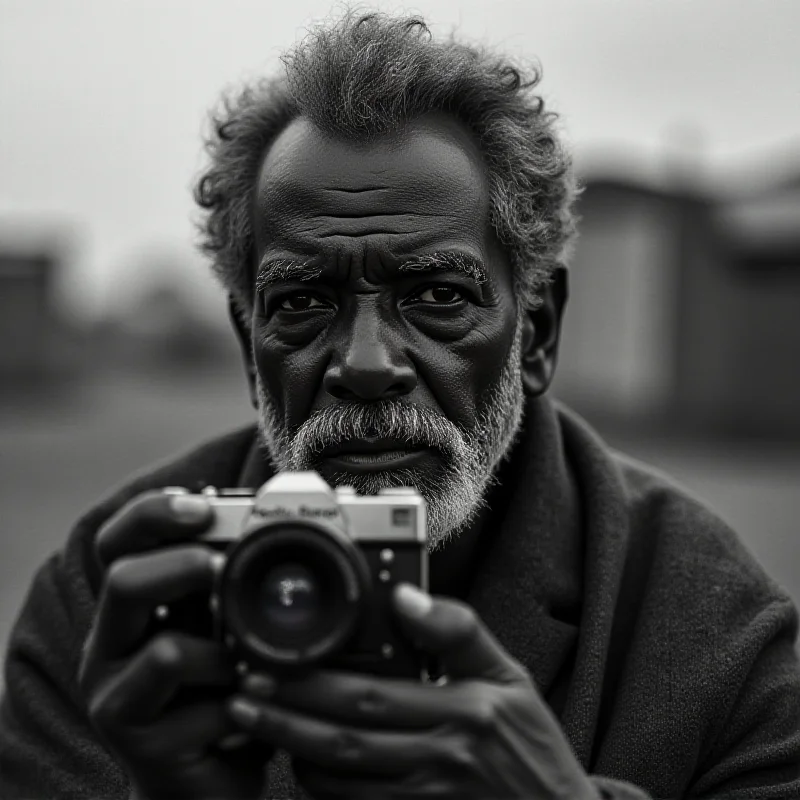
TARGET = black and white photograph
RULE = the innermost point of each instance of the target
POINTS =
(400, 401)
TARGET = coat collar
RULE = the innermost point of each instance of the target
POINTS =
(529, 585)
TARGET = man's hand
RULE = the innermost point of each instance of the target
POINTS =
(133, 680)
(486, 733)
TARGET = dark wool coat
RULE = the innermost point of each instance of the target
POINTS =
(663, 648)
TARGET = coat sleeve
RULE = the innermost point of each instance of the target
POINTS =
(47, 747)
(755, 751)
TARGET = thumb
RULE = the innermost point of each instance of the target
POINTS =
(453, 632)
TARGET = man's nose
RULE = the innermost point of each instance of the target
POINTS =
(369, 364)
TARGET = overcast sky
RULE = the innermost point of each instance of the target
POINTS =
(103, 100)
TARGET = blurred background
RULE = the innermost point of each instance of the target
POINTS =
(682, 337)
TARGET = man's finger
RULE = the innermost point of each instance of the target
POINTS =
(185, 731)
(364, 700)
(334, 745)
(151, 521)
(452, 631)
(136, 585)
(139, 692)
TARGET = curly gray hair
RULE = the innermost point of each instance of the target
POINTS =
(364, 76)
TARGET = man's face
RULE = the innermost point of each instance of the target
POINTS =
(385, 335)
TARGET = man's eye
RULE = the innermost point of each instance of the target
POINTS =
(440, 295)
(299, 302)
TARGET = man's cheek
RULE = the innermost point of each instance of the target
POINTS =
(269, 389)
(485, 361)
(274, 381)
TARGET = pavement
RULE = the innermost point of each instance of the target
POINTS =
(61, 450)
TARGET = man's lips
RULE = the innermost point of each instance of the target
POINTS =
(371, 454)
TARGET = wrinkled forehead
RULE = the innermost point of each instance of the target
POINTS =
(432, 168)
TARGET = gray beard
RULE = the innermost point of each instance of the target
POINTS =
(455, 494)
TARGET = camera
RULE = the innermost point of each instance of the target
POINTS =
(308, 573)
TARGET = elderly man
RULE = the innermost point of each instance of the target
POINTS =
(390, 219)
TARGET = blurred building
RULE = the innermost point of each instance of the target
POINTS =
(38, 346)
(685, 308)
(160, 327)
(757, 331)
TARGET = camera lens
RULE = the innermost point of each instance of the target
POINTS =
(290, 597)
(293, 592)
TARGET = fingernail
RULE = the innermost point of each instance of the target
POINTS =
(412, 600)
(260, 685)
(189, 508)
(243, 712)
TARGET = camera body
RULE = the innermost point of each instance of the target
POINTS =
(308, 572)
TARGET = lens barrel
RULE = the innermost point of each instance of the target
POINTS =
(292, 592)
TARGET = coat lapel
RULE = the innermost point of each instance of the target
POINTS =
(606, 529)
(528, 589)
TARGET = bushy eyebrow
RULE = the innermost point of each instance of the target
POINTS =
(446, 261)
(283, 270)
(272, 271)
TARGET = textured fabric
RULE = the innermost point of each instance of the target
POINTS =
(659, 642)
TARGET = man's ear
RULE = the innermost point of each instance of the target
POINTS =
(541, 333)
(242, 329)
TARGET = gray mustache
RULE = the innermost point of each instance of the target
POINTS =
(389, 419)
